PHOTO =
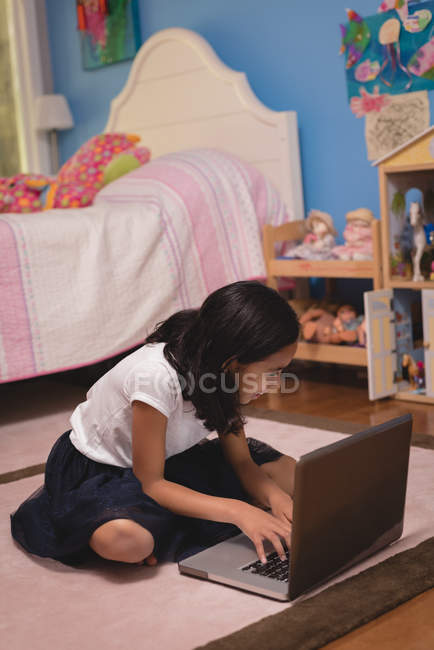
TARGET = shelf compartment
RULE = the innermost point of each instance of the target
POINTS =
(295, 231)
(409, 284)
(410, 396)
(322, 268)
(345, 354)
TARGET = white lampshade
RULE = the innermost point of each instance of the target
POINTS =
(52, 112)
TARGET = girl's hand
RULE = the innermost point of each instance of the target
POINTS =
(281, 505)
(259, 525)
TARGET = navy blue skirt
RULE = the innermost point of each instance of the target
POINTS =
(80, 494)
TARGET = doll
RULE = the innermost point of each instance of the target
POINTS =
(318, 243)
(317, 325)
(348, 327)
(358, 236)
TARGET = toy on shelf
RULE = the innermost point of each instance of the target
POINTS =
(317, 325)
(429, 250)
(400, 255)
(409, 369)
(358, 236)
(420, 378)
(319, 242)
(347, 326)
(332, 324)
(419, 239)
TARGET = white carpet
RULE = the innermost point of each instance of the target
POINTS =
(110, 605)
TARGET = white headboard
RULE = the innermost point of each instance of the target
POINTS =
(180, 95)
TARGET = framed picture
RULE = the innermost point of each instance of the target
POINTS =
(109, 31)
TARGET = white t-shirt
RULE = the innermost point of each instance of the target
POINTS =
(101, 426)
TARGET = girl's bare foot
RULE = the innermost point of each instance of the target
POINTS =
(151, 560)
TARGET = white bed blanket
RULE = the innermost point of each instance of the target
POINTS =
(81, 285)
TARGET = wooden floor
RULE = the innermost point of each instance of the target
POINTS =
(410, 626)
(342, 401)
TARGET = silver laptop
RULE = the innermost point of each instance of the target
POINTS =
(349, 500)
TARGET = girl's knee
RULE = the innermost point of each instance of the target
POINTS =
(122, 540)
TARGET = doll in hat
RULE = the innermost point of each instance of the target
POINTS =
(358, 236)
(320, 240)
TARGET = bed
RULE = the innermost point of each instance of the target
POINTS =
(81, 285)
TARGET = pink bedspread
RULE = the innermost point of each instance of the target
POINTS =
(81, 285)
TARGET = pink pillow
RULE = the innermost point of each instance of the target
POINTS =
(71, 195)
(79, 194)
(21, 193)
(88, 163)
(81, 177)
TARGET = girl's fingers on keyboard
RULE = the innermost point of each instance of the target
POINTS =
(259, 549)
(275, 540)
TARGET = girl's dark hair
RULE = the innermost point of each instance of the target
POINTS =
(246, 321)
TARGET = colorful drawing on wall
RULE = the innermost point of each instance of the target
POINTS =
(367, 71)
(416, 22)
(403, 117)
(368, 102)
(399, 54)
(109, 31)
(355, 37)
(422, 62)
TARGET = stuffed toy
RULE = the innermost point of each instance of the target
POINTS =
(325, 322)
(317, 325)
(358, 236)
(22, 192)
(81, 192)
(410, 370)
(124, 163)
(101, 160)
(318, 243)
(82, 176)
(347, 326)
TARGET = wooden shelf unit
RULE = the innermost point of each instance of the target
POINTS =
(347, 354)
(372, 269)
(409, 284)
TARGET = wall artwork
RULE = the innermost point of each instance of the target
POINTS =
(109, 31)
(392, 51)
(399, 121)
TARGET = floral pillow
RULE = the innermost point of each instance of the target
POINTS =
(78, 194)
(79, 179)
(88, 163)
(22, 192)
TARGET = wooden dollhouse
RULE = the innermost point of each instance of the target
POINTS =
(399, 311)
(400, 317)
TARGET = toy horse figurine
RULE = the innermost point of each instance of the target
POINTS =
(410, 370)
(419, 239)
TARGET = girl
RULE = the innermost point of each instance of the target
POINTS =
(135, 479)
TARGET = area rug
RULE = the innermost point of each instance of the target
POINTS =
(341, 608)
(113, 605)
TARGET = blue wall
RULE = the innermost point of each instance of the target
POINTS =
(289, 51)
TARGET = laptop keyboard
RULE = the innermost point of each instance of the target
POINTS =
(274, 568)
